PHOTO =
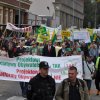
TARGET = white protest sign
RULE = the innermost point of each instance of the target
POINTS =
(23, 68)
(58, 30)
(82, 35)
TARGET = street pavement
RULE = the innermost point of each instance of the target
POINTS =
(11, 91)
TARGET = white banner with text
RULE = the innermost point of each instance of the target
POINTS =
(23, 68)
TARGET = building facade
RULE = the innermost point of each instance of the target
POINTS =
(70, 12)
(10, 10)
(65, 12)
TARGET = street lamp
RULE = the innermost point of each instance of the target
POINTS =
(95, 24)
(73, 13)
(19, 4)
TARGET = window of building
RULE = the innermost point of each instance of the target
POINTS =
(1, 15)
(11, 16)
(6, 15)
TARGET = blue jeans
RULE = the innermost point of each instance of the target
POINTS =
(89, 82)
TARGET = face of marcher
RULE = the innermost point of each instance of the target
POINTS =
(69, 53)
(21, 45)
(63, 46)
(34, 45)
(49, 43)
(44, 71)
(72, 74)
(78, 53)
(3, 49)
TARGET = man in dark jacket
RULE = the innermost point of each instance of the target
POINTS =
(85, 50)
(42, 86)
(49, 50)
(20, 50)
(62, 51)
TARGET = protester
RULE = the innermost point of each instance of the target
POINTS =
(42, 86)
(57, 46)
(49, 50)
(40, 49)
(28, 42)
(10, 49)
(20, 50)
(44, 42)
(85, 49)
(68, 52)
(3, 42)
(62, 51)
(72, 88)
(34, 49)
(4, 53)
(89, 69)
(78, 51)
(93, 52)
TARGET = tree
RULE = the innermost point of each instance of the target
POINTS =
(91, 12)
(88, 14)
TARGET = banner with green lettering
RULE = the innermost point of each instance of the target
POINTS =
(23, 68)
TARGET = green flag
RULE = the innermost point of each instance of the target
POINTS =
(54, 37)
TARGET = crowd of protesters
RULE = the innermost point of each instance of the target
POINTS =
(90, 52)
(17, 47)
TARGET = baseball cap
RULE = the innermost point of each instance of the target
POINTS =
(68, 49)
(44, 64)
(79, 49)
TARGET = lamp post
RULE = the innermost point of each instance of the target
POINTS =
(95, 24)
(73, 12)
(19, 13)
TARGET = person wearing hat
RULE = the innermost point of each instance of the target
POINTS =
(34, 49)
(42, 86)
(68, 52)
(79, 51)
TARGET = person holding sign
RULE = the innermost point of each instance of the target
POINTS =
(42, 86)
(72, 88)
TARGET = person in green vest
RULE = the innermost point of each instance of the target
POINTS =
(97, 78)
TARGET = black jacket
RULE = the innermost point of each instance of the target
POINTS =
(20, 50)
(46, 52)
(40, 88)
(60, 53)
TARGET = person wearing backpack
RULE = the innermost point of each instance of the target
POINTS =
(72, 88)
